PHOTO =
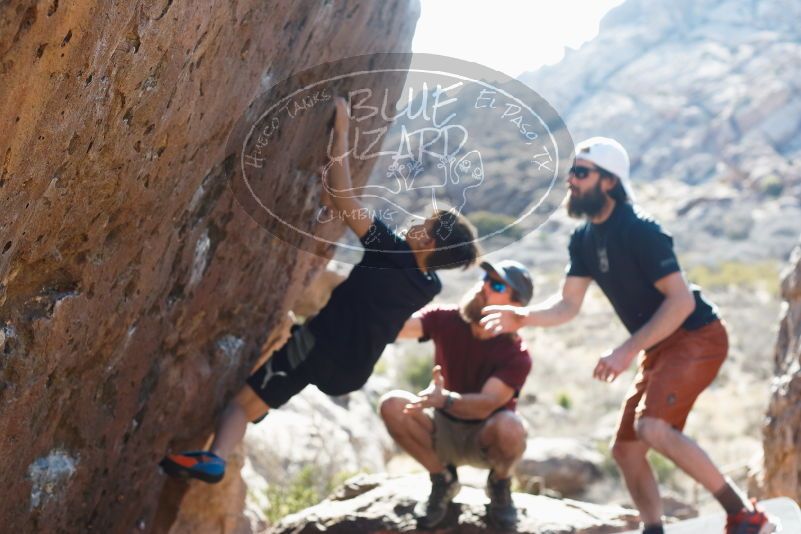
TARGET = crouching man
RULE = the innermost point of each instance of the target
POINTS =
(466, 416)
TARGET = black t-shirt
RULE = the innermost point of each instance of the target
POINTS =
(625, 255)
(367, 310)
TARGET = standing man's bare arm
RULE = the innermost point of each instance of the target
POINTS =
(679, 303)
(554, 311)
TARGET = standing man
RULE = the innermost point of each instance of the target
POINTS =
(632, 260)
(467, 415)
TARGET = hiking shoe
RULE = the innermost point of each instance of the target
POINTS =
(444, 487)
(202, 465)
(501, 511)
(753, 521)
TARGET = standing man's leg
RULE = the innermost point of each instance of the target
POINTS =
(681, 450)
(629, 452)
(682, 369)
(631, 459)
(691, 459)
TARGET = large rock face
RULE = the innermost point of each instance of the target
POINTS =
(135, 294)
(782, 432)
(564, 465)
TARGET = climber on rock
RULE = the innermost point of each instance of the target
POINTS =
(337, 349)
(467, 414)
(678, 335)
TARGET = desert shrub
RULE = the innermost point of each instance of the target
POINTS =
(757, 275)
(663, 468)
(381, 367)
(738, 230)
(564, 400)
(771, 186)
(416, 371)
(307, 488)
(487, 222)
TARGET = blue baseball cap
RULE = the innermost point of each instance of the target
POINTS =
(515, 275)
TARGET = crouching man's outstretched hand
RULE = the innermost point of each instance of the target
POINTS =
(433, 396)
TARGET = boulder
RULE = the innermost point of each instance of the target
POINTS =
(564, 465)
(338, 437)
(377, 503)
(781, 469)
(135, 292)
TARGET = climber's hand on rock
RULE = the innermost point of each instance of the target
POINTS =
(342, 115)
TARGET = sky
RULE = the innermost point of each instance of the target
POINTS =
(511, 36)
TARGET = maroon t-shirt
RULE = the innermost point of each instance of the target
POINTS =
(468, 362)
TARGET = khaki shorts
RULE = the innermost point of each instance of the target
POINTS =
(672, 375)
(456, 441)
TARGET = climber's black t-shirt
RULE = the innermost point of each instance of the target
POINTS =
(625, 255)
(367, 310)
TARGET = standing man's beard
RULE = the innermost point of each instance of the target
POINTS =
(590, 203)
(470, 307)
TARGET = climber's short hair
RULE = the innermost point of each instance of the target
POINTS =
(455, 241)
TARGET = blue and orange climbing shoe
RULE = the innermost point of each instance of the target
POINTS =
(202, 465)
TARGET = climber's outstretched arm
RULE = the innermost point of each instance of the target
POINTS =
(336, 174)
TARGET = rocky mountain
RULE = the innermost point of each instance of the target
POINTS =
(696, 91)
(706, 97)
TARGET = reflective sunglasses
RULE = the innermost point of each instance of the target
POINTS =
(495, 285)
(581, 172)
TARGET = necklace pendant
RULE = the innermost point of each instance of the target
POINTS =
(603, 260)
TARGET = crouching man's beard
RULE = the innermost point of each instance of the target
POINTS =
(470, 307)
(590, 203)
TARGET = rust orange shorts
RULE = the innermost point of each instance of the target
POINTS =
(671, 376)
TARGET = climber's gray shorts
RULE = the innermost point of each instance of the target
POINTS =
(456, 441)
